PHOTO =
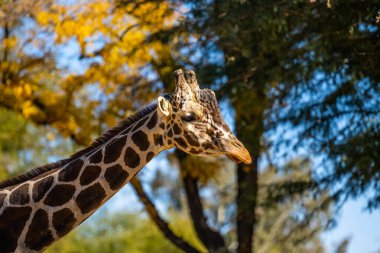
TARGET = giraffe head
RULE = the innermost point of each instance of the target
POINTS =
(193, 122)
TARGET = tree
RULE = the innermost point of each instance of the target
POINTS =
(107, 43)
(303, 67)
(298, 65)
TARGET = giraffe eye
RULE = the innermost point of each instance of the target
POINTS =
(189, 117)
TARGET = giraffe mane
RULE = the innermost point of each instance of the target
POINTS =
(106, 136)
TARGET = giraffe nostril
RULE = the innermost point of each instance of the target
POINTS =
(238, 144)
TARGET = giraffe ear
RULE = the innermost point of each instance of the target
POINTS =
(164, 107)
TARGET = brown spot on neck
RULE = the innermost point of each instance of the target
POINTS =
(113, 149)
(149, 156)
(141, 140)
(158, 140)
(97, 157)
(71, 171)
(39, 235)
(41, 187)
(140, 123)
(63, 221)
(20, 196)
(116, 176)
(90, 198)
(59, 195)
(131, 158)
(89, 174)
(153, 121)
(12, 223)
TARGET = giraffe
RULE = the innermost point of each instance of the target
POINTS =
(46, 203)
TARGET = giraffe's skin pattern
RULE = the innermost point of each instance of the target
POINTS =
(52, 205)
(37, 212)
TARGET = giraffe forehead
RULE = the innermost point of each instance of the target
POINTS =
(193, 107)
(205, 106)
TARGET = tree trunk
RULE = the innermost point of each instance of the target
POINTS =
(246, 201)
(212, 240)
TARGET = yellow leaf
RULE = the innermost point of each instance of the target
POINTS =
(110, 120)
(28, 109)
(50, 136)
(28, 90)
(9, 43)
(72, 125)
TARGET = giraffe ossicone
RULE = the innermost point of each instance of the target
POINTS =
(43, 205)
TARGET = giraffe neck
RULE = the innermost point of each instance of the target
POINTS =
(38, 212)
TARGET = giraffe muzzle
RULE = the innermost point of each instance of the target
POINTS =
(236, 151)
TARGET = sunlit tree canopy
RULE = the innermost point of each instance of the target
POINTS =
(298, 82)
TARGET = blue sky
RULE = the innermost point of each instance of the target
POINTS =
(360, 225)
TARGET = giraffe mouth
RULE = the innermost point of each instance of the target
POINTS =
(234, 158)
(242, 156)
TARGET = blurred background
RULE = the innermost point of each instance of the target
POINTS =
(298, 81)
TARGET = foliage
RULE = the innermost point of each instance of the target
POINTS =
(301, 74)
(298, 76)
(112, 62)
(121, 232)
(24, 146)
(291, 222)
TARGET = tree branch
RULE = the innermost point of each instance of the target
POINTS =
(5, 54)
(157, 219)
(210, 238)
